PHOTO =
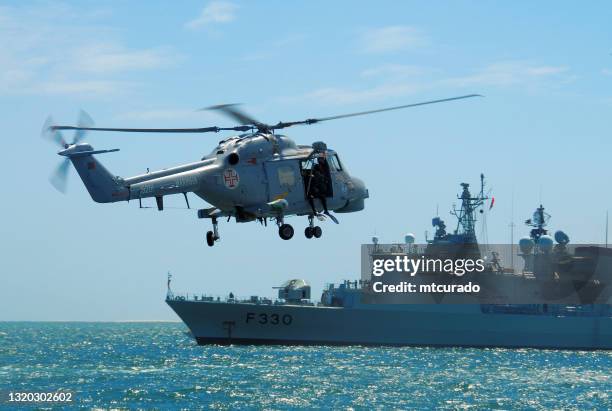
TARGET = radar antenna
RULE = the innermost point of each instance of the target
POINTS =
(539, 221)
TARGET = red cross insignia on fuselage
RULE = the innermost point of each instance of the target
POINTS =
(231, 179)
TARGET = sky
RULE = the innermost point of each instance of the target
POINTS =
(541, 134)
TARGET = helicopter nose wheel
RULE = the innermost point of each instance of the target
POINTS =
(213, 235)
(285, 231)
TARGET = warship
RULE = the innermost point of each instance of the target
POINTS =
(345, 316)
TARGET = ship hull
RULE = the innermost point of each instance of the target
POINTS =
(465, 325)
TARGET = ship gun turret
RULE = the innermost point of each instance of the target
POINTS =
(294, 291)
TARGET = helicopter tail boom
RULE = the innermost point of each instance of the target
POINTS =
(100, 183)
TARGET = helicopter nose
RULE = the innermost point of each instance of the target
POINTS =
(358, 194)
(360, 188)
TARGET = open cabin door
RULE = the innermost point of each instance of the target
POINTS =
(316, 177)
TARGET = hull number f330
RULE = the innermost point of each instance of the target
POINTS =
(268, 319)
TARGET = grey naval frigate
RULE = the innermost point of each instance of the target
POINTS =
(341, 317)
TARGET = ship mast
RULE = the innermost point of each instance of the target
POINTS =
(466, 214)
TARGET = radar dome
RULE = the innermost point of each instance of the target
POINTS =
(375, 239)
(409, 238)
(545, 243)
(561, 237)
(526, 245)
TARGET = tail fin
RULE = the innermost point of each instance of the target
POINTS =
(102, 185)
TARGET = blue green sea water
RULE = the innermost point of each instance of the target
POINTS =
(159, 366)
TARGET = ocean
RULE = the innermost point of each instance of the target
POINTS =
(158, 365)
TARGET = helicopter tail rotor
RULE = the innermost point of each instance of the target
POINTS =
(48, 133)
(59, 178)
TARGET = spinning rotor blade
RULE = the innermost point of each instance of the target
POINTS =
(156, 130)
(362, 113)
(59, 178)
(83, 122)
(51, 132)
(232, 111)
(52, 135)
(247, 122)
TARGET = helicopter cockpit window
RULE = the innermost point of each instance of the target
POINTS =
(335, 162)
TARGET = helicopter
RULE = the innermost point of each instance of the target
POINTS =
(258, 175)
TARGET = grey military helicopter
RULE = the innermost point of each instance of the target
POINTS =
(258, 175)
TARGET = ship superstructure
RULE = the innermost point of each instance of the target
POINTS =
(341, 317)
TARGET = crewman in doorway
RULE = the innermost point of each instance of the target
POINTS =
(318, 186)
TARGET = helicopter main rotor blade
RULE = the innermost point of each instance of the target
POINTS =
(362, 113)
(248, 123)
(232, 111)
(156, 130)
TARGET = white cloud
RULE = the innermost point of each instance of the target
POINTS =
(214, 12)
(105, 58)
(275, 49)
(53, 49)
(396, 80)
(166, 114)
(545, 70)
(343, 96)
(392, 38)
(95, 87)
(509, 73)
(386, 81)
(394, 70)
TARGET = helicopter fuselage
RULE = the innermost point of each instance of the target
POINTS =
(251, 172)
(249, 177)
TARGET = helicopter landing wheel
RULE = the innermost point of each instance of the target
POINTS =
(285, 231)
(210, 238)
(309, 232)
(317, 232)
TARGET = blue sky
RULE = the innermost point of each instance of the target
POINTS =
(541, 132)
